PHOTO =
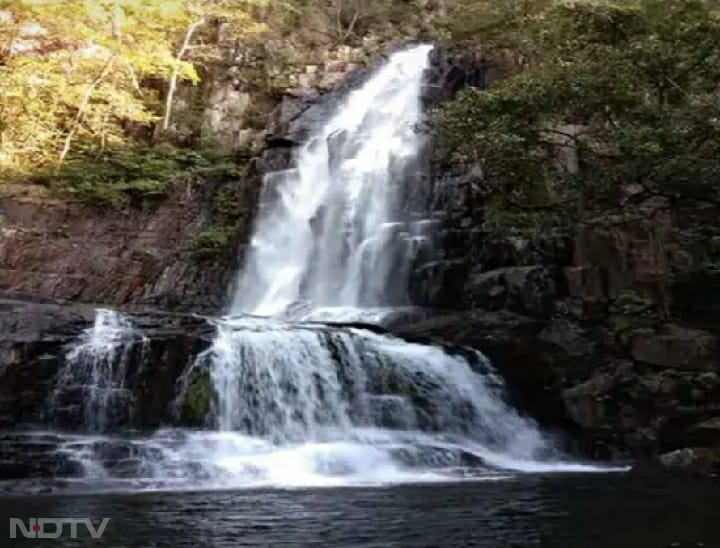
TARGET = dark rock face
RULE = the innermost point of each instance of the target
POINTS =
(65, 250)
(301, 111)
(453, 69)
(676, 347)
(33, 341)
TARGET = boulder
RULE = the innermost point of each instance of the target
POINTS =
(693, 459)
(677, 347)
(523, 289)
(585, 402)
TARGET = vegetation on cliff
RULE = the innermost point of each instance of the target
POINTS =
(86, 71)
(82, 80)
(611, 118)
(88, 92)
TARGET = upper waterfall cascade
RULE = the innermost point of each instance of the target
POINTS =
(339, 229)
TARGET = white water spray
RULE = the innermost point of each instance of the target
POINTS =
(337, 235)
(95, 371)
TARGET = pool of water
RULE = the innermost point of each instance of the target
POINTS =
(568, 511)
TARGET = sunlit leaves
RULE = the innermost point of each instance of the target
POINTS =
(79, 69)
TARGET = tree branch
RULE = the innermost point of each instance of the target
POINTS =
(83, 107)
(172, 86)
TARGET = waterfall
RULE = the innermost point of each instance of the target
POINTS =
(94, 374)
(286, 399)
(339, 232)
(300, 382)
(301, 402)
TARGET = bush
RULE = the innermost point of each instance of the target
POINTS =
(132, 175)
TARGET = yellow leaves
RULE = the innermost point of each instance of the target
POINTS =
(75, 69)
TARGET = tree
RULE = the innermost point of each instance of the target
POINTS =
(630, 85)
(78, 70)
(629, 90)
(236, 15)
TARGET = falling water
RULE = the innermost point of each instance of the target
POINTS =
(300, 403)
(297, 383)
(94, 374)
(339, 233)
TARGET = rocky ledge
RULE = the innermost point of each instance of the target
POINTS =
(36, 336)
(655, 399)
(656, 405)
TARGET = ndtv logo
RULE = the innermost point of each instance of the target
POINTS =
(38, 527)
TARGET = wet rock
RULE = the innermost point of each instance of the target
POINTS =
(585, 402)
(452, 69)
(30, 455)
(585, 282)
(438, 282)
(523, 289)
(275, 159)
(34, 342)
(534, 369)
(549, 250)
(694, 459)
(572, 340)
(707, 432)
(678, 347)
(196, 398)
(301, 112)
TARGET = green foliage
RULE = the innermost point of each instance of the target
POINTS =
(611, 94)
(131, 175)
(630, 303)
(633, 315)
(209, 243)
(228, 217)
(79, 71)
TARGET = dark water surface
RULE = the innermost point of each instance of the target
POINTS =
(580, 511)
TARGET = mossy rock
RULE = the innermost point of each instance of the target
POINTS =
(199, 397)
(701, 460)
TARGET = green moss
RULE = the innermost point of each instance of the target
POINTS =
(228, 216)
(634, 315)
(709, 379)
(211, 242)
(199, 396)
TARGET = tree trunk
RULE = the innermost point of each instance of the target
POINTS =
(172, 86)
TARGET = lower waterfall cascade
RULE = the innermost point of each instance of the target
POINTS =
(297, 397)
(296, 404)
